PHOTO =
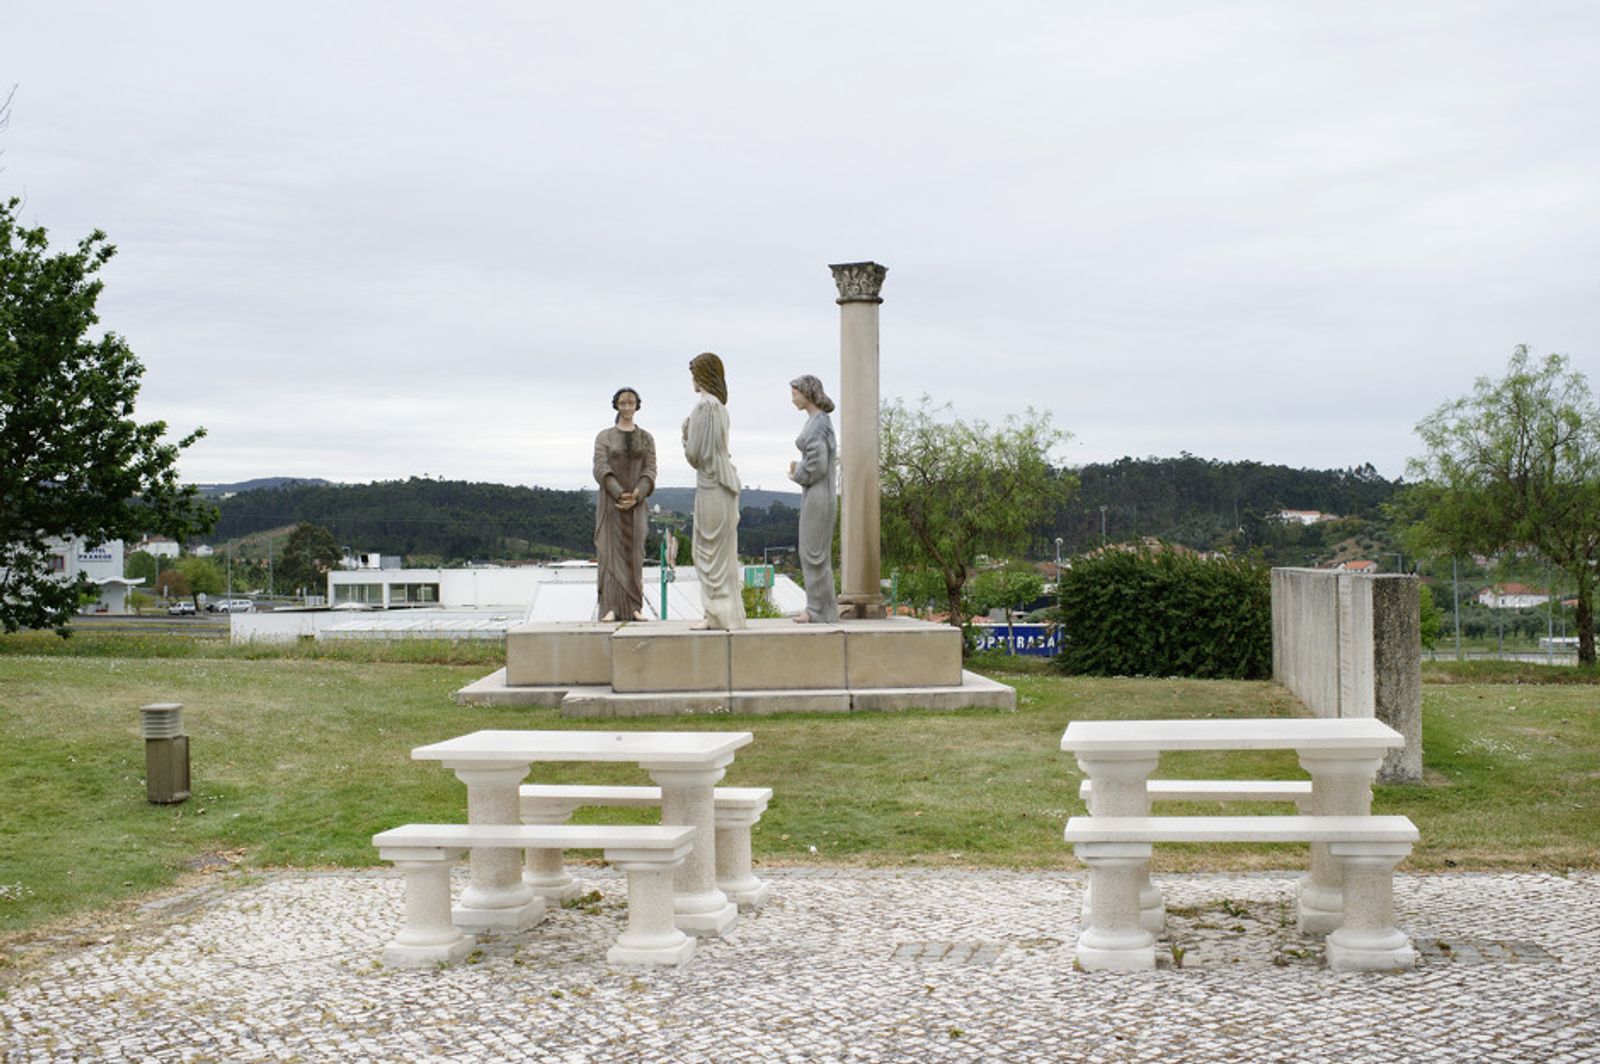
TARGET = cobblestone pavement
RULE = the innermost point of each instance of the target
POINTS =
(842, 965)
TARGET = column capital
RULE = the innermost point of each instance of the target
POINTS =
(859, 282)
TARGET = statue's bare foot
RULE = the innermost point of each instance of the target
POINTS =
(638, 615)
(804, 618)
(700, 626)
(611, 615)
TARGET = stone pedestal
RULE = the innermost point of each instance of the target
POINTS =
(1368, 940)
(496, 898)
(1342, 787)
(1121, 788)
(699, 907)
(428, 937)
(662, 668)
(1113, 937)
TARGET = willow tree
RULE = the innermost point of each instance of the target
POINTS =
(954, 490)
(1515, 467)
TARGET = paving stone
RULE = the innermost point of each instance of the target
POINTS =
(841, 965)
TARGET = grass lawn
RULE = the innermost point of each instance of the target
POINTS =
(298, 760)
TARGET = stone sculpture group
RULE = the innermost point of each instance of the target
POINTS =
(625, 469)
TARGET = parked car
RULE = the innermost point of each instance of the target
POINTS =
(231, 606)
(181, 609)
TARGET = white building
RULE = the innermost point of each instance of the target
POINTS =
(475, 603)
(101, 564)
(1304, 517)
(1512, 597)
(158, 546)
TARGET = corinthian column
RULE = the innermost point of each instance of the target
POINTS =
(860, 551)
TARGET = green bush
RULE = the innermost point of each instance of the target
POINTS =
(1162, 613)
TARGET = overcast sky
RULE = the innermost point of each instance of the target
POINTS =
(365, 241)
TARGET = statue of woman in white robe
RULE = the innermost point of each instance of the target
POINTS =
(814, 472)
(716, 498)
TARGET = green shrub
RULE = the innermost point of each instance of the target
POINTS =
(1162, 613)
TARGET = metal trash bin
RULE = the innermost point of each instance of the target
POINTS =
(166, 753)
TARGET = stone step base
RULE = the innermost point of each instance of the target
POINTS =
(973, 692)
(670, 656)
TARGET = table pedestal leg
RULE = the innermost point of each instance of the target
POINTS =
(1341, 785)
(686, 798)
(1121, 788)
(496, 898)
(1368, 939)
(428, 937)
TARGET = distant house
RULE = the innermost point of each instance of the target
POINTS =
(158, 546)
(1357, 565)
(1304, 517)
(1512, 597)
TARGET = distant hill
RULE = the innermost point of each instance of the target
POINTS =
(451, 520)
(259, 483)
(681, 500)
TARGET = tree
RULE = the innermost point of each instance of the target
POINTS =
(76, 464)
(202, 575)
(141, 565)
(1515, 466)
(309, 553)
(953, 491)
(1009, 588)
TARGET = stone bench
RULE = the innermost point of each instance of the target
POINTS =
(1117, 851)
(737, 810)
(647, 853)
(1296, 791)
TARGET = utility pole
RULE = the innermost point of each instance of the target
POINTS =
(1455, 596)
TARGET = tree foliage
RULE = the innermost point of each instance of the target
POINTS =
(1515, 466)
(77, 463)
(1166, 613)
(308, 555)
(202, 576)
(953, 491)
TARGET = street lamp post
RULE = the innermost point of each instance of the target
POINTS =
(1058, 572)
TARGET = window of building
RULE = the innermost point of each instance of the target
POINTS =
(366, 594)
(58, 563)
(413, 594)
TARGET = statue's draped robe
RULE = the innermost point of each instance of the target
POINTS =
(623, 461)
(814, 472)
(716, 514)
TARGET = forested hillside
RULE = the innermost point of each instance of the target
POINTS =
(1208, 504)
(1198, 502)
(451, 520)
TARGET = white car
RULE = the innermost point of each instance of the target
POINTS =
(232, 606)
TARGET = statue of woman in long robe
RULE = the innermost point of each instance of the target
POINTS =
(814, 472)
(625, 469)
(716, 498)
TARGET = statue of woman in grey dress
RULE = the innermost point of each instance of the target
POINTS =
(716, 498)
(625, 469)
(814, 472)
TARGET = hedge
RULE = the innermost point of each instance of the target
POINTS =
(1164, 613)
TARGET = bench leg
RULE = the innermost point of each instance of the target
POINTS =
(1121, 788)
(496, 899)
(651, 937)
(1368, 939)
(427, 938)
(734, 877)
(544, 871)
(1341, 786)
(1112, 938)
